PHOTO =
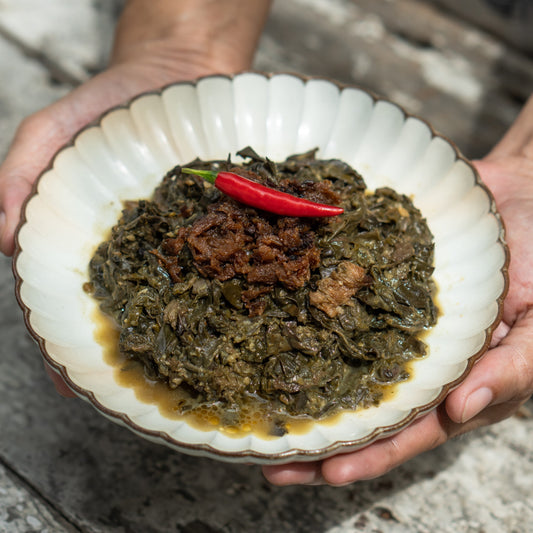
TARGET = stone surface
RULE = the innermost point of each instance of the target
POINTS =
(466, 83)
(22, 510)
(65, 468)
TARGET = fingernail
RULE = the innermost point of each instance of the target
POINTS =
(317, 479)
(313, 477)
(476, 402)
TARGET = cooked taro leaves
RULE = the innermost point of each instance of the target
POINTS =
(233, 304)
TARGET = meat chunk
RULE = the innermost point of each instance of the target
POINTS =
(336, 290)
(234, 241)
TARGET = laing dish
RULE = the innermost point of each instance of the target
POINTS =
(246, 310)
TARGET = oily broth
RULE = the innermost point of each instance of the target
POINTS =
(177, 404)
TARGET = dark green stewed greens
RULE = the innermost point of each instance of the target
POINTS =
(237, 305)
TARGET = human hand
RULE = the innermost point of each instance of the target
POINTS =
(156, 43)
(503, 378)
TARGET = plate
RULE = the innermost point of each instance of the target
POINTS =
(123, 156)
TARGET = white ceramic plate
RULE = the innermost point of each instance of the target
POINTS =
(124, 155)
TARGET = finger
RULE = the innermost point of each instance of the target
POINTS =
(499, 334)
(13, 191)
(376, 459)
(503, 377)
(60, 385)
(293, 474)
(519, 138)
(495, 174)
(384, 455)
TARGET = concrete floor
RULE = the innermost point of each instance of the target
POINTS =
(64, 468)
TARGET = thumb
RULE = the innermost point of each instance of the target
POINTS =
(499, 383)
(37, 138)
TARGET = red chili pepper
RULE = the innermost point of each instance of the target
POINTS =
(257, 195)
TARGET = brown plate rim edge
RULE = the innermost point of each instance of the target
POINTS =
(248, 455)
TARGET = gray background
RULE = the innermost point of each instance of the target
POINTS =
(64, 468)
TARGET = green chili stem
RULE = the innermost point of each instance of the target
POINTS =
(208, 175)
